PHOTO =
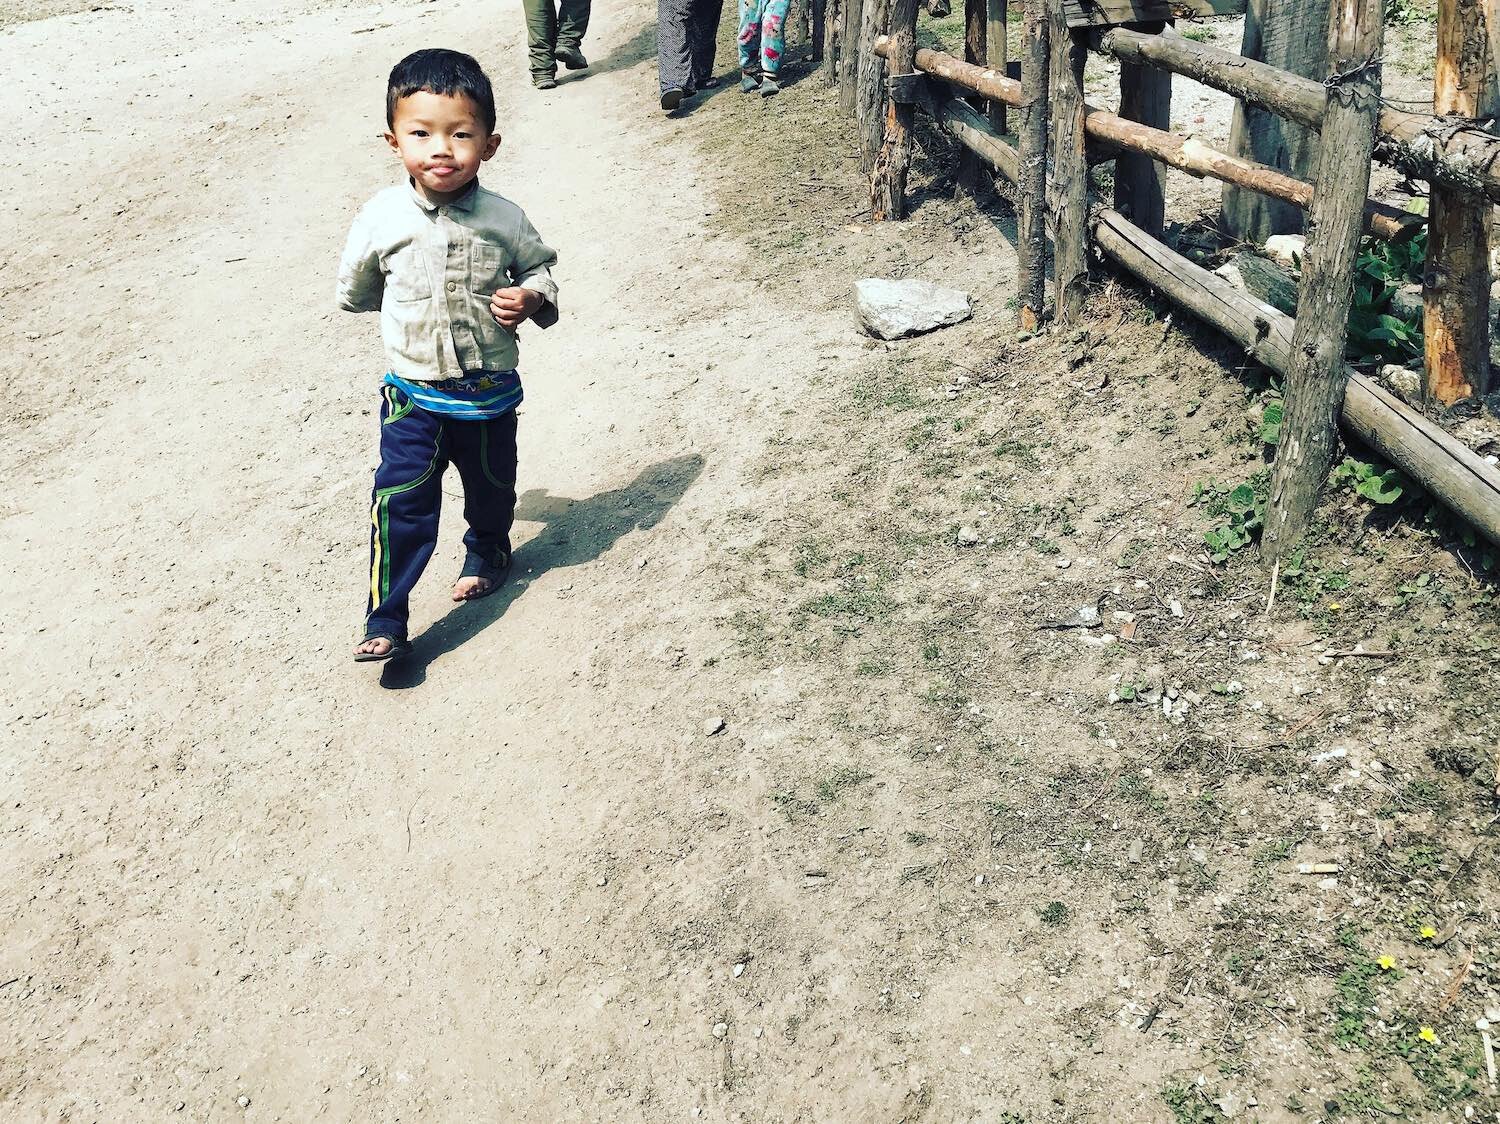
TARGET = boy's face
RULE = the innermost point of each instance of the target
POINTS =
(441, 140)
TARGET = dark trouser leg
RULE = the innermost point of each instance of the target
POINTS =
(484, 452)
(403, 510)
(704, 40)
(674, 63)
(572, 22)
(541, 30)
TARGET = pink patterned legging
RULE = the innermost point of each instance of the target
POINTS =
(762, 35)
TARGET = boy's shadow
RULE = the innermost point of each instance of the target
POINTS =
(577, 531)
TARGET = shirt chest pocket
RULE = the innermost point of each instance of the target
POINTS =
(487, 270)
(406, 276)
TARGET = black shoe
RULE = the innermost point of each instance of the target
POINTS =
(571, 57)
(544, 82)
(671, 99)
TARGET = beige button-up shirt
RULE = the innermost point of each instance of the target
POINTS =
(430, 270)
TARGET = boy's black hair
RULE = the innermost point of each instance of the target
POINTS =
(438, 70)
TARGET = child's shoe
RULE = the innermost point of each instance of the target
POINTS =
(749, 83)
(671, 99)
(768, 87)
(544, 82)
(571, 57)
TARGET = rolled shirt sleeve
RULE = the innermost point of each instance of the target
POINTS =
(531, 269)
(361, 283)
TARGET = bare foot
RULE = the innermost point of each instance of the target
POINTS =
(467, 589)
(375, 646)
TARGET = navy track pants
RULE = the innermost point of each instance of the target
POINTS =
(415, 449)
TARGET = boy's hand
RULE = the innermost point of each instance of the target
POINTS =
(512, 307)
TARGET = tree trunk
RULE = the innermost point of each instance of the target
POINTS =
(888, 180)
(1070, 169)
(1456, 290)
(1316, 383)
(1293, 37)
(870, 96)
(1140, 182)
(1036, 61)
(851, 23)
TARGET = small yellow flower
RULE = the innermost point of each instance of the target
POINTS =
(1428, 1035)
(1387, 963)
(1334, 605)
(1428, 932)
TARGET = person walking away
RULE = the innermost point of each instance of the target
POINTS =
(762, 43)
(555, 29)
(687, 33)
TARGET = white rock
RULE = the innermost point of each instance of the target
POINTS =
(739, 970)
(1088, 614)
(243, 1101)
(968, 536)
(1406, 302)
(713, 726)
(891, 310)
(1286, 249)
(1403, 380)
(721, 1029)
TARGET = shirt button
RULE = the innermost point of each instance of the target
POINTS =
(452, 285)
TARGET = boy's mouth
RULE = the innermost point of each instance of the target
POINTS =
(442, 170)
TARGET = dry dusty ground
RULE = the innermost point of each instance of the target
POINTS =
(944, 862)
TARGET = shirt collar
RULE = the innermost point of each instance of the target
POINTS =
(464, 202)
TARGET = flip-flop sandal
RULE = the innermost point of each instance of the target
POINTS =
(493, 571)
(397, 650)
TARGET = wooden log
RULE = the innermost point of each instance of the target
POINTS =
(1189, 155)
(1315, 384)
(1069, 187)
(870, 95)
(1456, 281)
(997, 55)
(976, 50)
(819, 12)
(851, 21)
(1140, 182)
(888, 181)
(1424, 147)
(1444, 466)
(1292, 38)
(1105, 13)
(1263, 279)
(978, 136)
(1036, 62)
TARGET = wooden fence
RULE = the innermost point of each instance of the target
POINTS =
(1058, 134)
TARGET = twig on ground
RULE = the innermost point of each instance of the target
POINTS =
(1450, 996)
(1271, 597)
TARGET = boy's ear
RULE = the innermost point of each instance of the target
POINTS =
(390, 139)
(491, 146)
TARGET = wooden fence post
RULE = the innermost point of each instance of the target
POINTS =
(832, 43)
(870, 95)
(970, 167)
(1291, 35)
(1070, 169)
(1316, 382)
(1036, 59)
(1456, 283)
(997, 56)
(888, 180)
(851, 21)
(819, 29)
(1140, 182)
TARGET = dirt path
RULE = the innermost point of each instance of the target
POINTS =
(244, 867)
(946, 861)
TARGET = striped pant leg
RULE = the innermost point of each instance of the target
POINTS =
(484, 452)
(404, 509)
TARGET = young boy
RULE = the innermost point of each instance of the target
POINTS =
(453, 270)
